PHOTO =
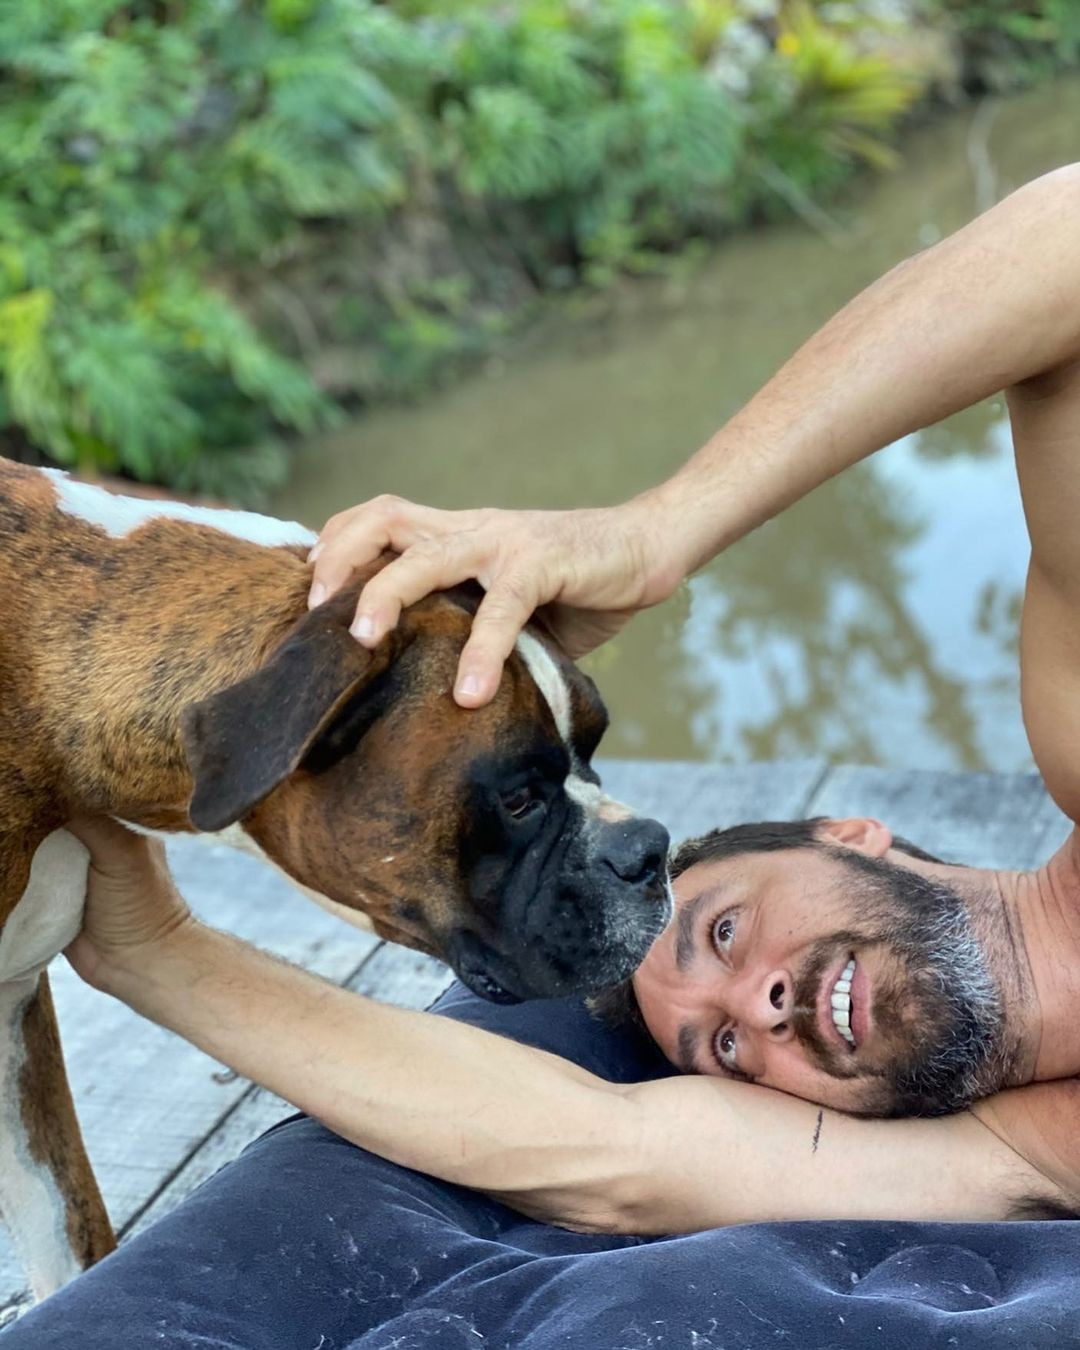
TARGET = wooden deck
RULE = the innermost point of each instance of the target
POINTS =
(159, 1117)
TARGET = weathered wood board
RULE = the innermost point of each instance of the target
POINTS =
(693, 798)
(982, 819)
(159, 1117)
(392, 975)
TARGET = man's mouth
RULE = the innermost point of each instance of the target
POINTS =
(841, 1003)
(843, 1006)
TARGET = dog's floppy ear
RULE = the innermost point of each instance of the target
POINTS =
(309, 704)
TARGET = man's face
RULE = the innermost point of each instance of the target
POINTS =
(857, 986)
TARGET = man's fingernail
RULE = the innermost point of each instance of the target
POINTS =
(363, 628)
(469, 686)
(315, 551)
(317, 596)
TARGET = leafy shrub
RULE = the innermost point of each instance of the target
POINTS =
(219, 219)
(1004, 43)
(146, 149)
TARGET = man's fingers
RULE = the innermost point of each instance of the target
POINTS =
(352, 539)
(343, 546)
(438, 549)
(430, 565)
(503, 613)
(333, 567)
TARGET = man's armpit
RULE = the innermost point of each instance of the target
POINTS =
(1042, 1207)
(1040, 1124)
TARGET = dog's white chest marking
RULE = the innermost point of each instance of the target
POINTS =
(33, 1207)
(49, 913)
(120, 516)
(47, 917)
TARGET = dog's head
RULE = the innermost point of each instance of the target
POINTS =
(481, 836)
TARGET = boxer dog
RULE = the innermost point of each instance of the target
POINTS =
(158, 663)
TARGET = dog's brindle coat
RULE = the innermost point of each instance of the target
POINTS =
(158, 664)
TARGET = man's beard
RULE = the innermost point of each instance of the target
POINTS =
(937, 1009)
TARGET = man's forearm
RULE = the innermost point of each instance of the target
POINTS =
(989, 307)
(550, 1139)
(457, 1102)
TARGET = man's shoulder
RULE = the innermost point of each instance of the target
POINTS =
(1041, 1123)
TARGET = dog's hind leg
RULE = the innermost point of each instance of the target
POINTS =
(48, 1195)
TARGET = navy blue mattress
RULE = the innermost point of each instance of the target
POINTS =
(307, 1243)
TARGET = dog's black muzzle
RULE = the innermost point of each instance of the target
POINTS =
(597, 909)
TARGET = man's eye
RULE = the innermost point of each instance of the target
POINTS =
(725, 1044)
(723, 933)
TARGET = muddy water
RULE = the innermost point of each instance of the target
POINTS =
(876, 621)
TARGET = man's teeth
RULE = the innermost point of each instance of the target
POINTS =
(841, 1002)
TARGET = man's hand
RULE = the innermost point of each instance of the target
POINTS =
(131, 902)
(587, 571)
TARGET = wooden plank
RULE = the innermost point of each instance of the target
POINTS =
(392, 975)
(146, 1099)
(693, 798)
(987, 820)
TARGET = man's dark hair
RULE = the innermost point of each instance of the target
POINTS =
(618, 1006)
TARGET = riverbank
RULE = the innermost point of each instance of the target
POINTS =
(261, 216)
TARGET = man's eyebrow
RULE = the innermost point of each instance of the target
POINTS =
(686, 1046)
(685, 943)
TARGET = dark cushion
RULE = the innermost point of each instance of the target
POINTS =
(306, 1241)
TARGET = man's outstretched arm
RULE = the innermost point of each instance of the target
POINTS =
(986, 309)
(524, 1126)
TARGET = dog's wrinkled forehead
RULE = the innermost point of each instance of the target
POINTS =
(580, 719)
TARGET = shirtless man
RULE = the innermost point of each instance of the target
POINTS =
(955, 987)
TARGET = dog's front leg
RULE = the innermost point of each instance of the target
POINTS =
(48, 1195)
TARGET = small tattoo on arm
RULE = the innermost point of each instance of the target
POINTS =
(817, 1132)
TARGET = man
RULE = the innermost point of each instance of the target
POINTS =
(826, 961)
(815, 974)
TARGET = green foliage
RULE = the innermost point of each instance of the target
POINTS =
(828, 104)
(200, 200)
(146, 149)
(1005, 43)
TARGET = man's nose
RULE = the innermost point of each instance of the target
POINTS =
(769, 1004)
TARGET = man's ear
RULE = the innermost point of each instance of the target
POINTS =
(861, 833)
(309, 704)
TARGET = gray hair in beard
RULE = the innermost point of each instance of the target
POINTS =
(958, 1049)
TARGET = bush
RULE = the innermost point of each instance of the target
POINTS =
(193, 196)
(146, 151)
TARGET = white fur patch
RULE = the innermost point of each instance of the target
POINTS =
(47, 917)
(49, 913)
(548, 678)
(121, 516)
(32, 1206)
(596, 802)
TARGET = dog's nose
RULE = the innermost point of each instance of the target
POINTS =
(636, 851)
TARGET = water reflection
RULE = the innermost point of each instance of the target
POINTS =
(876, 621)
(865, 626)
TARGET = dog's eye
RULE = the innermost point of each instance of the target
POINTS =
(521, 802)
